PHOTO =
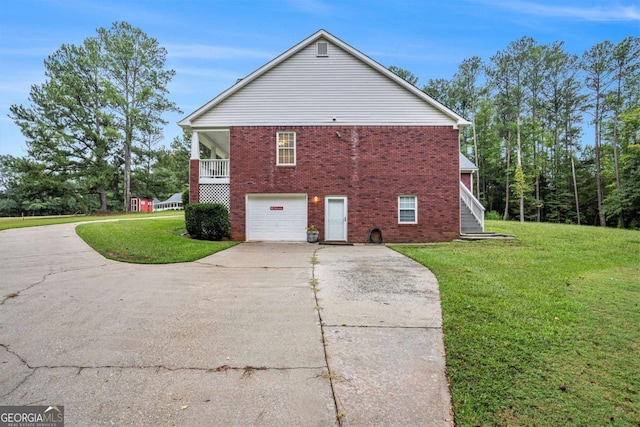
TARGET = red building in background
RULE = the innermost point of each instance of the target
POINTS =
(140, 204)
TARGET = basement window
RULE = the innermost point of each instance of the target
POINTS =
(322, 49)
(407, 210)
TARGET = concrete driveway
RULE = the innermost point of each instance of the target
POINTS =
(237, 338)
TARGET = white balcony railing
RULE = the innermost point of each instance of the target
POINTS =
(214, 168)
(472, 203)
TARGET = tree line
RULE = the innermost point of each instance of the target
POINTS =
(92, 129)
(556, 136)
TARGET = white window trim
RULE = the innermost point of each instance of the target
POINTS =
(415, 198)
(295, 143)
(318, 53)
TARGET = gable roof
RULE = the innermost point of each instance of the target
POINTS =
(175, 197)
(322, 34)
(467, 165)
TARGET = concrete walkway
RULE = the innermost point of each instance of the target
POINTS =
(238, 338)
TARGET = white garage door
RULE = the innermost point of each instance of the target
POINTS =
(277, 217)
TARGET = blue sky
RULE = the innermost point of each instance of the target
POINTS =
(213, 43)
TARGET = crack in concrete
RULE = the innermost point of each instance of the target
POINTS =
(221, 368)
(17, 294)
(247, 371)
(437, 328)
(314, 283)
(24, 362)
(8, 350)
(263, 267)
(24, 380)
(44, 279)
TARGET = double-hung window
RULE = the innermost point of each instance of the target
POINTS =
(407, 210)
(286, 149)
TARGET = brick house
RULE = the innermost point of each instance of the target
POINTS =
(324, 135)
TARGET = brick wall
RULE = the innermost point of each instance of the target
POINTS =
(194, 181)
(371, 165)
(466, 180)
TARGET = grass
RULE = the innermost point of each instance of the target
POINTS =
(34, 221)
(543, 330)
(157, 241)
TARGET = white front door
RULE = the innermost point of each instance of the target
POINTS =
(336, 218)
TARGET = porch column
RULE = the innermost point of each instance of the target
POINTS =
(195, 146)
(471, 188)
(194, 170)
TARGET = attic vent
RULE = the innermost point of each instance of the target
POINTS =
(322, 49)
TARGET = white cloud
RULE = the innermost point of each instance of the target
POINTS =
(40, 52)
(18, 87)
(427, 57)
(116, 10)
(585, 12)
(207, 72)
(203, 51)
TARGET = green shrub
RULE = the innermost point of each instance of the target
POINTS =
(207, 221)
(185, 198)
(493, 216)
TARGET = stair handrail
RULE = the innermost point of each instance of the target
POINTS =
(472, 203)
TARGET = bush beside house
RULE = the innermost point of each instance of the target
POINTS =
(185, 198)
(207, 221)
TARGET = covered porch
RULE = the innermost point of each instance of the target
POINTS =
(209, 167)
(210, 155)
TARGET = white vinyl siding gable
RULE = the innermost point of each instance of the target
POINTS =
(307, 89)
(407, 210)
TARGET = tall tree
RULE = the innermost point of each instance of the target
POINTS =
(404, 74)
(597, 66)
(9, 176)
(440, 90)
(66, 126)
(574, 104)
(146, 154)
(535, 73)
(625, 62)
(625, 200)
(179, 157)
(529, 129)
(500, 82)
(137, 83)
(31, 188)
(508, 76)
(491, 168)
(562, 105)
(171, 171)
(467, 91)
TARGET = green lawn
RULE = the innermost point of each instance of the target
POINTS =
(543, 330)
(539, 331)
(155, 241)
(34, 221)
